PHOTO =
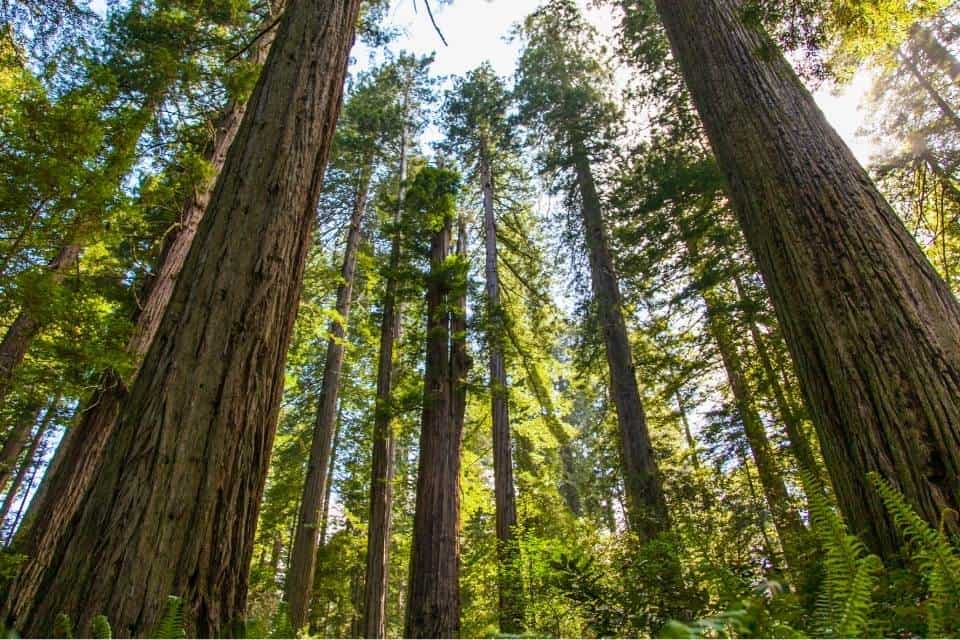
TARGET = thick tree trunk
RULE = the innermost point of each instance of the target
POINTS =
(433, 605)
(646, 505)
(873, 330)
(27, 324)
(80, 452)
(17, 438)
(173, 506)
(304, 558)
(384, 444)
(28, 461)
(510, 585)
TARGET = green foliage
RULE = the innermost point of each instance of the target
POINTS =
(937, 558)
(62, 626)
(101, 628)
(171, 625)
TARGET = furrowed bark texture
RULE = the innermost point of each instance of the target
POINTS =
(384, 444)
(433, 604)
(646, 504)
(510, 585)
(304, 556)
(80, 452)
(173, 506)
(872, 328)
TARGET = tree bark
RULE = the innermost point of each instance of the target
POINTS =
(173, 506)
(785, 518)
(384, 444)
(78, 455)
(304, 558)
(646, 504)
(17, 438)
(433, 605)
(27, 324)
(872, 328)
(510, 585)
(35, 441)
(800, 445)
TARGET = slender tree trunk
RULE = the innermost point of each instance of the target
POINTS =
(384, 443)
(27, 324)
(173, 506)
(79, 454)
(924, 82)
(17, 438)
(27, 463)
(568, 482)
(786, 520)
(36, 454)
(328, 491)
(433, 606)
(646, 504)
(799, 442)
(872, 328)
(936, 52)
(304, 558)
(510, 585)
(687, 432)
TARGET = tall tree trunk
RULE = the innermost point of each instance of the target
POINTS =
(328, 491)
(173, 506)
(27, 324)
(646, 504)
(872, 328)
(800, 445)
(687, 432)
(433, 605)
(928, 41)
(27, 463)
(910, 62)
(786, 519)
(510, 585)
(80, 452)
(17, 438)
(304, 558)
(384, 443)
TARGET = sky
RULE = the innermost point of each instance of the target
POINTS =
(477, 31)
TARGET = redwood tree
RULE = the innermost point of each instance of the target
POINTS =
(172, 507)
(874, 331)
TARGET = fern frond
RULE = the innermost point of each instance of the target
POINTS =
(936, 556)
(101, 628)
(171, 625)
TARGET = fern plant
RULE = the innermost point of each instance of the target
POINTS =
(171, 625)
(101, 628)
(62, 626)
(850, 573)
(938, 560)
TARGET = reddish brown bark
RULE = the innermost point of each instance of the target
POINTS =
(17, 438)
(873, 330)
(510, 586)
(28, 460)
(646, 504)
(384, 444)
(304, 556)
(433, 605)
(173, 505)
